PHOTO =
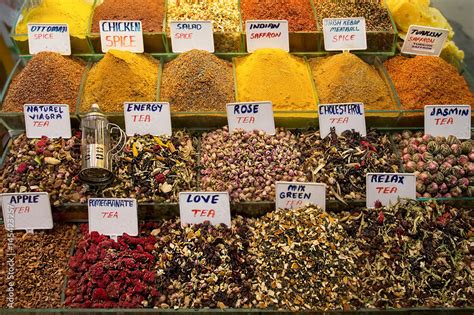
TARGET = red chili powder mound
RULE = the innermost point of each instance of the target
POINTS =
(150, 12)
(427, 80)
(299, 13)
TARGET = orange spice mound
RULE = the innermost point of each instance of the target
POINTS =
(427, 80)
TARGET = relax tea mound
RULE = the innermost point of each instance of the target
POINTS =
(119, 77)
(48, 78)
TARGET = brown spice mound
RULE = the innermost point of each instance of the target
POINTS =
(150, 12)
(345, 78)
(48, 78)
(197, 81)
(298, 13)
(41, 262)
(376, 16)
(427, 80)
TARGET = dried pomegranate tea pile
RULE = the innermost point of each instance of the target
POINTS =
(104, 273)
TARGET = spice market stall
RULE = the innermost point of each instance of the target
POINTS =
(209, 155)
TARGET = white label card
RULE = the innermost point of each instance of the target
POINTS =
(345, 116)
(52, 120)
(49, 37)
(293, 195)
(388, 187)
(250, 116)
(147, 118)
(189, 35)
(199, 207)
(448, 120)
(267, 34)
(27, 211)
(113, 216)
(121, 35)
(344, 34)
(424, 40)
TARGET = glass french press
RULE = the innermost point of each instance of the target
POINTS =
(97, 154)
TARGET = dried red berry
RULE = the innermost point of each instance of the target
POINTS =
(380, 218)
(22, 167)
(160, 178)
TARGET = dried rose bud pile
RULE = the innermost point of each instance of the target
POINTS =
(444, 167)
(342, 162)
(108, 274)
(44, 165)
(203, 265)
(247, 164)
(413, 255)
(155, 169)
(40, 266)
(302, 261)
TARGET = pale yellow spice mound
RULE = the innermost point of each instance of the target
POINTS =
(121, 76)
(277, 76)
(345, 78)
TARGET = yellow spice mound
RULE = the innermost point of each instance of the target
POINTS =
(277, 76)
(121, 76)
(75, 13)
(345, 78)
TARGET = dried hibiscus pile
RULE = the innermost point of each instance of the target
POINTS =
(108, 274)
(413, 255)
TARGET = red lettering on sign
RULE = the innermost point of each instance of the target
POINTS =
(204, 213)
(246, 120)
(293, 203)
(120, 41)
(386, 190)
(109, 214)
(141, 118)
(183, 35)
(44, 36)
(343, 38)
(40, 123)
(22, 210)
(340, 120)
(444, 121)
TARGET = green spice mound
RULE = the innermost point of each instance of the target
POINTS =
(413, 255)
(303, 261)
(197, 81)
(203, 265)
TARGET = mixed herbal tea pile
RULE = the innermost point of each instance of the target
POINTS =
(245, 164)
(413, 254)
